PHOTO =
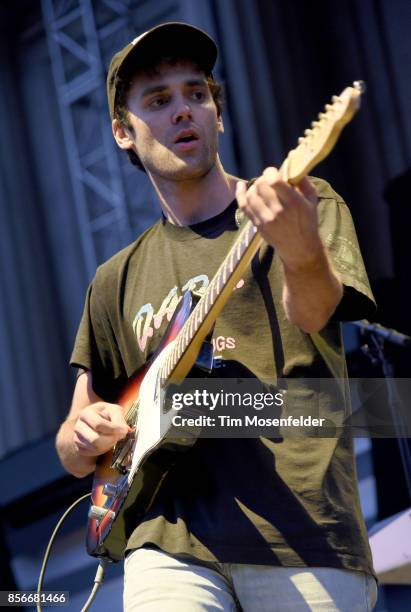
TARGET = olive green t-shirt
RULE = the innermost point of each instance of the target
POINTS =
(290, 502)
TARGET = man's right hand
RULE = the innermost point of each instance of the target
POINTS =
(98, 428)
(91, 428)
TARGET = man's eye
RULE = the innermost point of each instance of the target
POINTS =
(158, 102)
(198, 95)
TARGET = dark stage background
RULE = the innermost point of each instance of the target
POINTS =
(69, 200)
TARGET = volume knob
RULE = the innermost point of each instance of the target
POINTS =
(98, 512)
(111, 489)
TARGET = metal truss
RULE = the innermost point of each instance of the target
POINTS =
(82, 37)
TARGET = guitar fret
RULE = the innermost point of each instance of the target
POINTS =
(217, 285)
(208, 302)
(220, 282)
(174, 357)
(177, 352)
(235, 254)
(210, 293)
(177, 349)
(245, 238)
(197, 318)
(200, 309)
(165, 368)
(231, 256)
(238, 250)
(224, 275)
(187, 336)
(182, 345)
(191, 326)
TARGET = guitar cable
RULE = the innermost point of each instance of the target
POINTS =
(99, 577)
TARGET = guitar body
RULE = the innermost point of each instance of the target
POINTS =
(127, 478)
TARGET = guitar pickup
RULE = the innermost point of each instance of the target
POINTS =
(121, 455)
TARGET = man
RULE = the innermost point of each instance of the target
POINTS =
(261, 523)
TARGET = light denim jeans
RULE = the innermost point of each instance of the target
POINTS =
(155, 581)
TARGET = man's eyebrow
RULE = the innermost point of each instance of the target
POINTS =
(160, 87)
(154, 89)
(196, 82)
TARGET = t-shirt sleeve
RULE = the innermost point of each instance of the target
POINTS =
(339, 236)
(96, 349)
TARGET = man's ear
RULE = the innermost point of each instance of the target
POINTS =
(220, 124)
(122, 134)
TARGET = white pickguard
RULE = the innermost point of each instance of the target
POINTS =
(152, 424)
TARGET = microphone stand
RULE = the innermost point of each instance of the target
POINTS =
(379, 335)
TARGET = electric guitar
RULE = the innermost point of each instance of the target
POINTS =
(128, 477)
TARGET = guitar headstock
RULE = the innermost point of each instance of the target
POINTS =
(319, 140)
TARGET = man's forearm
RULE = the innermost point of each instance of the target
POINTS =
(78, 465)
(311, 293)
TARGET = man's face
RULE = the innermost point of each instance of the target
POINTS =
(175, 123)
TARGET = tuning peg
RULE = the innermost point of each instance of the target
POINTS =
(315, 124)
(360, 85)
(307, 132)
(335, 99)
(301, 140)
(329, 107)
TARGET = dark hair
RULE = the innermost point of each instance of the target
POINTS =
(121, 111)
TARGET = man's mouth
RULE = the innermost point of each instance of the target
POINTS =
(185, 137)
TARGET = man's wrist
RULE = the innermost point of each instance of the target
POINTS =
(315, 263)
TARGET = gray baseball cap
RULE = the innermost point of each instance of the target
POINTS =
(172, 37)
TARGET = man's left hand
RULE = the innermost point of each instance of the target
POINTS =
(285, 216)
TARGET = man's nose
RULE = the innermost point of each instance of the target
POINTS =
(182, 112)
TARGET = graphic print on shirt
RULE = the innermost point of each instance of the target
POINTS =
(146, 321)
